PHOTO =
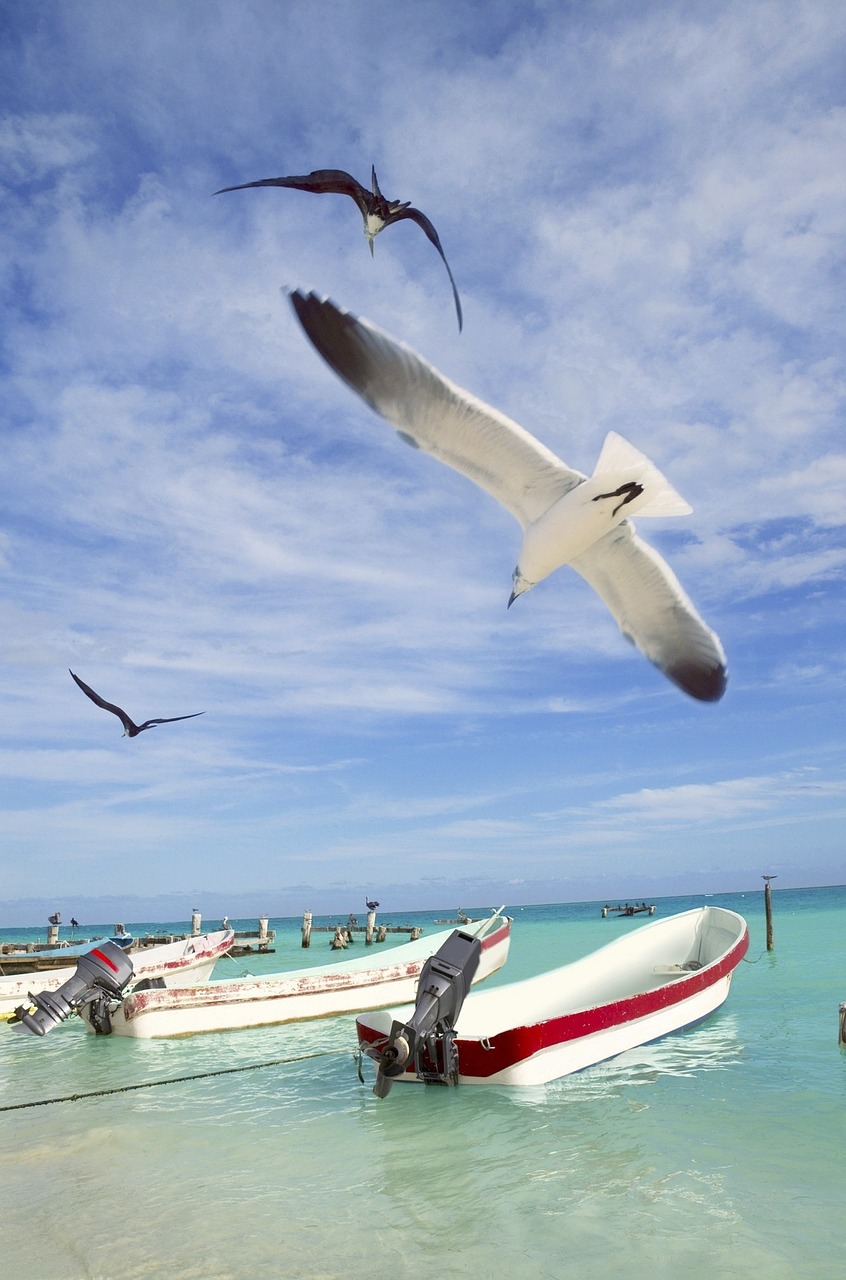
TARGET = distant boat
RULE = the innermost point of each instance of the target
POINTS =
(49, 958)
(172, 960)
(323, 991)
(657, 979)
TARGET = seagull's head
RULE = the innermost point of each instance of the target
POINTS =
(521, 584)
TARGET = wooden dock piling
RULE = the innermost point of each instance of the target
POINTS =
(371, 931)
(768, 907)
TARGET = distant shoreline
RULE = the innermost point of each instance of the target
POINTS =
(146, 922)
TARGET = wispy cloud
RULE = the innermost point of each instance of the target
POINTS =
(644, 211)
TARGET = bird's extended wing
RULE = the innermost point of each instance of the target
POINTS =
(435, 414)
(107, 706)
(423, 221)
(336, 181)
(170, 719)
(653, 611)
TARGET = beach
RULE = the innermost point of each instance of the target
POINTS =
(716, 1151)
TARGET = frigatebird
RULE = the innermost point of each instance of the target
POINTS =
(130, 729)
(566, 516)
(376, 211)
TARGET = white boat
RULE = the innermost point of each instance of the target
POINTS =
(18, 963)
(323, 991)
(658, 978)
(170, 962)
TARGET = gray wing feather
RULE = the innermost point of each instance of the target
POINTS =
(435, 414)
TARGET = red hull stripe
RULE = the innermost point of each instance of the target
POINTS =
(496, 937)
(518, 1043)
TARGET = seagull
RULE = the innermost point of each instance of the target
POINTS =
(376, 211)
(566, 516)
(130, 730)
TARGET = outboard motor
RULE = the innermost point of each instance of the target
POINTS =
(100, 974)
(428, 1038)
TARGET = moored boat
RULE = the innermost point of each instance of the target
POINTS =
(170, 962)
(322, 991)
(44, 959)
(657, 979)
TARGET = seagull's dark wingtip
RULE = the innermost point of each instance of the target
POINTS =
(706, 684)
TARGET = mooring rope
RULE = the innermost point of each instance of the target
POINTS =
(152, 1084)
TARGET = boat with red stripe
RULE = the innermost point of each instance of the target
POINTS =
(656, 979)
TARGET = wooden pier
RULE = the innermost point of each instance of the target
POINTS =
(343, 933)
(629, 909)
(30, 957)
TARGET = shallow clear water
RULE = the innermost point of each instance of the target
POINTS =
(717, 1152)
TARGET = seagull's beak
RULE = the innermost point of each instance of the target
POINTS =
(521, 584)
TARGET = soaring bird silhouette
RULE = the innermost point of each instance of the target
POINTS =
(130, 729)
(566, 516)
(376, 211)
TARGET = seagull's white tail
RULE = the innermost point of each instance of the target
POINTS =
(621, 463)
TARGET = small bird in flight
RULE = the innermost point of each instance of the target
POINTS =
(566, 516)
(376, 211)
(130, 729)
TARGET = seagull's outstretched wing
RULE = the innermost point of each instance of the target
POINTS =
(336, 181)
(130, 727)
(434, 414)
(422, 221)
(653, 611)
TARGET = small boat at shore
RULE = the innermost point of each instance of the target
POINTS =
(170, 962)
(322, 991)
(657, 979)
(42, 958)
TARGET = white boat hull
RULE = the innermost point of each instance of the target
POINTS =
(658, 979)
(172, 962)
(320, 992)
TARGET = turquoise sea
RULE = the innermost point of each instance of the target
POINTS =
(717, 1152)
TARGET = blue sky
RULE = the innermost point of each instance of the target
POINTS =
(644, 210)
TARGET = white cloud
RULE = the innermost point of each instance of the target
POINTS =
(644, 213)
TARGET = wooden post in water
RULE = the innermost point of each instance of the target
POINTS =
(196, 922)
(768, 907)
(371, 924)
(341, 938)
(842, 1040)
(262, 934)
(306, 928)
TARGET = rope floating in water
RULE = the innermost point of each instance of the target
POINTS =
(152, 1084)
